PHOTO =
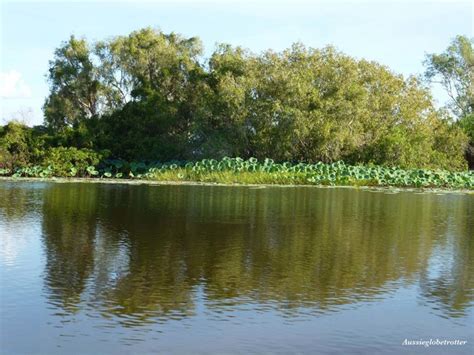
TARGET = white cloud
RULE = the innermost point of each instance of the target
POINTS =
(12, 86)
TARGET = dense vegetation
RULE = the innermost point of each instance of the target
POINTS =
(454, 70)
(151, 96)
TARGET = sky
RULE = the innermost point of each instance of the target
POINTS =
(395, 33)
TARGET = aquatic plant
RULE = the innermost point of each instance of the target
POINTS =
(252, 171)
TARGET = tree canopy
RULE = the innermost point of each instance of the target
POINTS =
(454, 70)
(153, 96)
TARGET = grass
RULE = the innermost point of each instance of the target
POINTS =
(250, 178)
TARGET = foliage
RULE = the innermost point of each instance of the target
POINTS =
(237, 170)
(142, 87)
(14, 145)
(454, 70)
(321, 105)
(21, 145)
(251, 171)
(467, 124)
(151, 95)
(75, 88)
(71, 161)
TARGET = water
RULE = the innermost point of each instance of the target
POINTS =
(109, 269)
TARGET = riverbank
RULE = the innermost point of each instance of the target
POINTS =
(253, 172)
(135, 182)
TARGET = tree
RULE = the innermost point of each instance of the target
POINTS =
(149, 95)
(155, 81)
(454, 70)
(75, 88)
(321, 105)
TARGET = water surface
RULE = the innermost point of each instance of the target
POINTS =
(104, 268)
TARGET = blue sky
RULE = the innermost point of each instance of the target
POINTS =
(397, 34)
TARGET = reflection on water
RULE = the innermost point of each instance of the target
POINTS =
(131, 257)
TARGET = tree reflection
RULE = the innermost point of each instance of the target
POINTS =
(450, 288)
(147, 252)
(19, 201)
(69, 230)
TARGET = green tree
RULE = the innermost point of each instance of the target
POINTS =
(155, 80)
(74, 84)
(309, 104)
(21, 145)
(150, 95)
(454, 70)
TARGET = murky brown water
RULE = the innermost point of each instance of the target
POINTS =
(99, 269)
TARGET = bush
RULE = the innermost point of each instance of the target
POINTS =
(467, 125)
(70, 161)
(14, 152)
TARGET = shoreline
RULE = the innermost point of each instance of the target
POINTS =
(392, 189)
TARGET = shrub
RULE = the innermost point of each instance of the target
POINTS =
(70, 161)
(14, 151)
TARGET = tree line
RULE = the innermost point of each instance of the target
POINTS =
(153, 96)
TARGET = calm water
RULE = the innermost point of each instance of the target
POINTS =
(99, 269)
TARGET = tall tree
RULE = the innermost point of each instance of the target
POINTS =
(75, 88)
(154, 81)
(454, 70)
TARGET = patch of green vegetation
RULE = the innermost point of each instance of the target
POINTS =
(252, 171)
(153, 96)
